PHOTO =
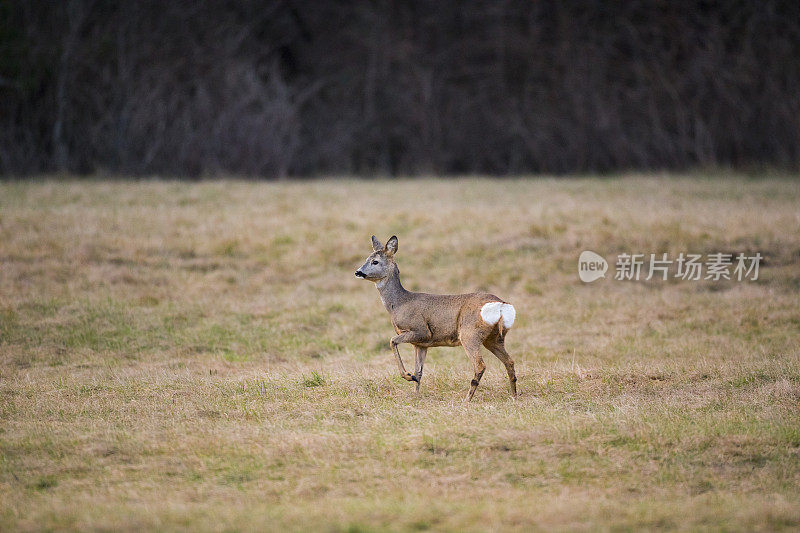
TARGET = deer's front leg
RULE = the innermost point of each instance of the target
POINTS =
(407, 336)
(419, 353)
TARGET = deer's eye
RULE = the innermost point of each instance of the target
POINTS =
(375, 262)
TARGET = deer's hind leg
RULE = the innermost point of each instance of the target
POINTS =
(496, 345)
(472, 346)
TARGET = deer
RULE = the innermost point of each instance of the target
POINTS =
(428, 320)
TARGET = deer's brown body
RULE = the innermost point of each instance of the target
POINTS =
(427, 320)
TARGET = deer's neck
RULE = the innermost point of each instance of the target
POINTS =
(392, 291)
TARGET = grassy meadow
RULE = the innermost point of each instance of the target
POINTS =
(199, 356)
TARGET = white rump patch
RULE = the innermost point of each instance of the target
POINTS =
(492, 311)
(509, 314)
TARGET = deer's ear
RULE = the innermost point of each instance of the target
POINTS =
(376, 244)
(391, 245)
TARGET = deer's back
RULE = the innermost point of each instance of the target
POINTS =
(441, 314)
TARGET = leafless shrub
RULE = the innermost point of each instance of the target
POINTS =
(287, 89)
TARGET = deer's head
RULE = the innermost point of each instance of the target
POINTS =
(380, 263)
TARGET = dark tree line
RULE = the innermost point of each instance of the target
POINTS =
(306, 88)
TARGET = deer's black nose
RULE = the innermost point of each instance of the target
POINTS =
(360, 274)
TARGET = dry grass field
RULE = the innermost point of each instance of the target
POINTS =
(200, 356)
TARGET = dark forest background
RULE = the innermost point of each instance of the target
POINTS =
(388, 87)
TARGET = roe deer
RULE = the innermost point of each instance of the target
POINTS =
(427, 320)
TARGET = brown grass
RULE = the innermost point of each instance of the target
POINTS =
(200, 356)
